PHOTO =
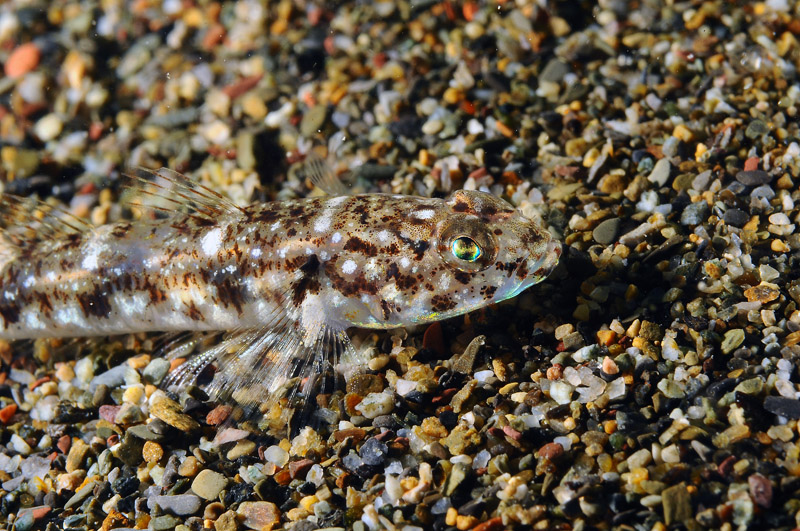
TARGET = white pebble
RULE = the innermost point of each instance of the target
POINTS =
(375, 405)
(276, 455)
(48, 127)
(561, 392)
(19, 445)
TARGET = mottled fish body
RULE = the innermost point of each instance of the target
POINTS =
(284, 278)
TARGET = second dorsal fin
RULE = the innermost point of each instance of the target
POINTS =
(321, 175)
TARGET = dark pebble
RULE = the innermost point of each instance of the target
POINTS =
(606, 232)
(785, 407)
(736, 217)
(125, 485)
(472, 508)
(753, 177)
(448, 419)
(373, 452)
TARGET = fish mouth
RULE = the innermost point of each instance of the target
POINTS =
(541, 265)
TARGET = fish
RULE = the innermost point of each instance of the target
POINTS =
(282, 281)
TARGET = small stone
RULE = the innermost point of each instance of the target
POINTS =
(299, 469)
(464, 363)
(660, 173)
(181, 504)
(156, 370)
(694, 213)
(640, 459)
(762, 293)
(313, 121)
(48, 127)
(736, 217)
(373, 452)
(242, 448)
(753, 177)
(461, 439)
(756, 129)
(164, 523)
(218, 415)
(364, 384)
(76, 455)
(751, 386)
(261, 515)
(733, 338)
(22, 60)
(677, 504)
(561, 392)
(551, 451)
(606, 232)
(227, 521)
(208, 484)
(190, 467)
(760, 490)
(609, 366)
(785, 407)
(554, 71)
(375, 405)
(169, 411)
(152, 452)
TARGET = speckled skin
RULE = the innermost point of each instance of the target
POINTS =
(375, 260)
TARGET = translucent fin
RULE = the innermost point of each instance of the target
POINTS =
(257, 368)
(165, 191)
(321, 175)
(25, 222)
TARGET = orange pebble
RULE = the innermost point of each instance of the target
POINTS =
(22, 60)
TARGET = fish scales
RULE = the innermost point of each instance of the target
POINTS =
(309, 268)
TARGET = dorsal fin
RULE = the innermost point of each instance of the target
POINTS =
(166, 191)
(321, 175)
(27, 221)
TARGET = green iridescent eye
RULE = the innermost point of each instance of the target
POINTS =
(466, 249)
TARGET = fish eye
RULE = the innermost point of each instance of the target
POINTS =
(465, 248)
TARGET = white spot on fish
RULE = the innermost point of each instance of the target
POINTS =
(349, 267)
(424, 214)
(275, 226)
(336, 238)
(322, 224)
(90, 260)
(384, 236)
(256, 252)
(405, 262)
(323, 255)
(212, 242)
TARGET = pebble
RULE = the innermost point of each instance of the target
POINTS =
(677, 504)
(261, 515)
(785, 407)
(156, 370)
(22, 60)
(180, 505)
(169, 411)
(375, 405)
(48, 127)
(753, 177)
(661, 172)
(208, 484)
(373, 452)
(606, 232)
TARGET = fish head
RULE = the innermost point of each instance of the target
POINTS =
(491, 251)
(447, 257)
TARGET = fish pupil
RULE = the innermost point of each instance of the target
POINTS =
(466, 249)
